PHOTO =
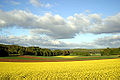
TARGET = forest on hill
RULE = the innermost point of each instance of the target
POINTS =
(16, 50)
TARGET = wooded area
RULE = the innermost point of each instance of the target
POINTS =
(16, 50)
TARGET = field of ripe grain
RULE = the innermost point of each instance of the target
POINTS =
(108, 69)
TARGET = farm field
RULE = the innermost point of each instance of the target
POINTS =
(53, 58)
(107, 69)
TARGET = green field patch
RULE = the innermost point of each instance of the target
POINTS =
(22, 58)
(60, 58)
(48, 57)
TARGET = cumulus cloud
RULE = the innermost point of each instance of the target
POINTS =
(41, 42)
(46, 42)
(31, 41)
(39, 4)
(103, 42)
(109, 41)
(52, 25)
(110, 24)
(57, 27)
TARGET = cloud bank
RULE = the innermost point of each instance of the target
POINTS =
(56, 27)
(103, 42)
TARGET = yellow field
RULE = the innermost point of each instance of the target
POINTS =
(67, 56)
(79, 70)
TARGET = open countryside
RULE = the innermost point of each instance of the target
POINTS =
(34, 63)
(108, 69)
(59, 39)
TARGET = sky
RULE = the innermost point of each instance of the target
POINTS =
(60, 24)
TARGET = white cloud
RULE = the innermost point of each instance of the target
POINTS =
(110, 24)
(31, 41)
(52, 25)
(95, 18)
(39, 4)
(2, 23)
(57, 27)
(15, 2)
(103, 42)
(39, 41)
(108, 41)
(35, 2)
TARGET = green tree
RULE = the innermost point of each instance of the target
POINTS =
(20, 52)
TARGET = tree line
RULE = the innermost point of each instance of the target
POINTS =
(103, 52)
(110, 51)
(15, 50)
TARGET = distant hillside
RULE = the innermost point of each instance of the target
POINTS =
(105, 51)
(15, 50)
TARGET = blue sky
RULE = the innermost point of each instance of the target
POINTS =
(60, 23)
(66, 8)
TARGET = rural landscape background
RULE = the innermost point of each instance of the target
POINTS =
(59, 40)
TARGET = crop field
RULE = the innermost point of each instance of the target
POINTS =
(108, 69)
(67, 56)
(53, 58)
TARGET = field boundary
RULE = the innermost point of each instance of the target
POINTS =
(20, 60)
